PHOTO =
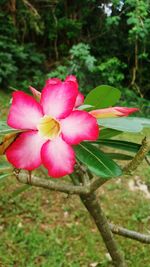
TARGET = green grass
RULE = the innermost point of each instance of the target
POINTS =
(40, 228)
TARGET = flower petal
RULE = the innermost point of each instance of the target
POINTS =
(36, 93)
(79, 126)
(58, 157)
(80, 97)
(79, 100)
(25, 151)
(58, 98)
(52, 81)
(112, 112)
(72, 78)
(25, 112)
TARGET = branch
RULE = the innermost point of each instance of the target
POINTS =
(129, 234)
(96, 183)
(139, 157)
(62, 187)
(87, 179)
(48, 184)
(31, 7)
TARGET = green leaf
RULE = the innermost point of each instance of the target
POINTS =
(108, 133)
(4, 169)
(123, 145)
(130, 124)
(145, 122)
(103, 96)
(97, 161)
(5, 129)
(119, 156)
(3, 176)
(84, 107)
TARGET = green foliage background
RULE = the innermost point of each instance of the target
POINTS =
(101, 42)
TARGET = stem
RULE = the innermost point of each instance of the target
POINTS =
(93, 206)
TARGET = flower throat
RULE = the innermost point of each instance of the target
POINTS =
(49, 127)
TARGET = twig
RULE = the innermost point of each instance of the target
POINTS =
(129, 234)
(31, 7)
(139, 157)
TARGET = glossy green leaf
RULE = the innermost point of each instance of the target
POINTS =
(123, 145)
(108, 133)
(103, 96)
(130, 124)
(97, 161)
(119, 156)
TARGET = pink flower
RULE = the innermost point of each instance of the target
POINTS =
(112, 112)
(79, 98)
(51, 126)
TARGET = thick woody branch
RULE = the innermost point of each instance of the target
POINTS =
(139, 157)
(86, 178)
(62, 187)
(129, 234)
(48, 184)
(93, 206)
(96, 183)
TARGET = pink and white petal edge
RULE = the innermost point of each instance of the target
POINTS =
(79, 126)
(25, 112)
(79, 100)
(25, 151)
(52, 81)
(36, 93)
(58, 99)
(80, 96)
(58, 157)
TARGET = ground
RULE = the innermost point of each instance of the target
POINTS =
(44, 228)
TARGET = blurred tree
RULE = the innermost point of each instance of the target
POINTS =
(37, 36)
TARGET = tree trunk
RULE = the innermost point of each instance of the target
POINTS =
(93, 206)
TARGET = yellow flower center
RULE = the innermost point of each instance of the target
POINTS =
(49, 127)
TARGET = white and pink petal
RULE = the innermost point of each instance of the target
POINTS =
(25, 112)
(25, 151)
(79, 126)
(58, 157)
(36, 93)
(79, 99)
(72, 78)
(52, 81)
(80, 96)
(58, 98)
